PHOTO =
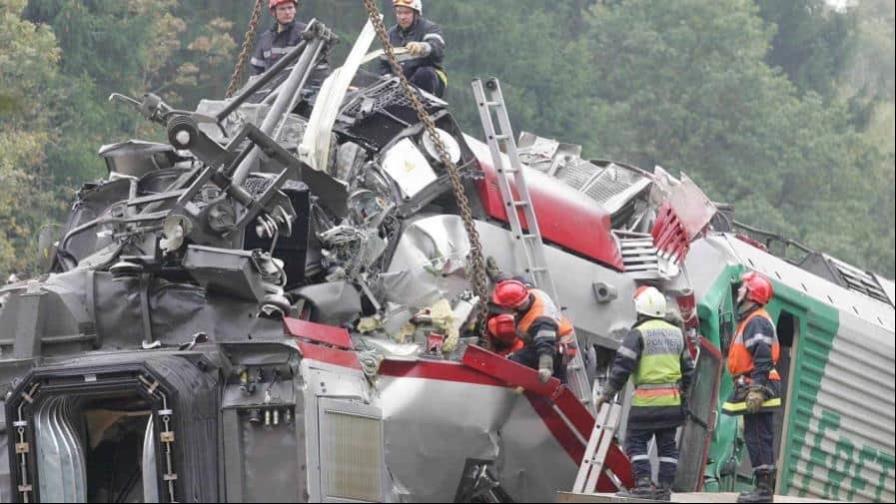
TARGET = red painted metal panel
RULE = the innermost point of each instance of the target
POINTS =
(575, 411)
(319, 333)
(436, 370)
(345, 358)
(509, 372)
(566, 217)
(561, 432)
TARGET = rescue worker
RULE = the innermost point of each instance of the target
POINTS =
(502, 334)
(422, 65)
(539, 324)
(654, 353)
(282, 38)
(751, 361)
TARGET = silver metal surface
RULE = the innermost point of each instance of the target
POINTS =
(408, 167)
(429, 262)
(150, 473)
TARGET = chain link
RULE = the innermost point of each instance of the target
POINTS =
(248, 40)
(480, 280)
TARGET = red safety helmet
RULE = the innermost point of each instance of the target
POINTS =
(272, 4)
(759, 288)
(502, 328)
(510, 294)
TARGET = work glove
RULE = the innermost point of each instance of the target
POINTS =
(545, 368)
(755, 398)
(604, 397)
(418, 48)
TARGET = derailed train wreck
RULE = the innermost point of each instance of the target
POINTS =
(276, 305)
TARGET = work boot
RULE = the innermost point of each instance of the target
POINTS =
(764, 491)
(663, 492)
(643, 489)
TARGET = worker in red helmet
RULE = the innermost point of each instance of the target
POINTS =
(502, 334)
(538, 323)
(282, 38)
(425, 44)
(752, 358)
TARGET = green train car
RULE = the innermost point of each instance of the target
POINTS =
(835, 433)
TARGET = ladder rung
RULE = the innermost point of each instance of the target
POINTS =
(538, 269)
(530, 237)
(492, 103)
(519, 204)
(501, 137)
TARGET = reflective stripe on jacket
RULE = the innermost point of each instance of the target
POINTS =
(659, 369)
(740, 354)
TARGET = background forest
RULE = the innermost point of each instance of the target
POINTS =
(783, 108)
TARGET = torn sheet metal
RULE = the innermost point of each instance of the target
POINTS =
(429, 262)
(500, 426)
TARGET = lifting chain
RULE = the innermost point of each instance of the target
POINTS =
(237, 76)
(480, 280)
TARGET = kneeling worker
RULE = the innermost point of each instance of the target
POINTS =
(422, 65)
(539, 323)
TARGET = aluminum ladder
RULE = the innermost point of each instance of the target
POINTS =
(596, 452)
(489, 101)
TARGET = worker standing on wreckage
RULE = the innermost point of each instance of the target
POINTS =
(422, 65)
(530, 315)
(751, 361)
(282, 38)
(654, 353)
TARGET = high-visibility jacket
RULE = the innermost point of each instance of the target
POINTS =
(740, 354)
(543, 325)
(752, 358)
(655, 355)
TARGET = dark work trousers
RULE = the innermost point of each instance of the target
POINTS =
(636, 441)
(428, 80)
(528, 356)
(760, 439)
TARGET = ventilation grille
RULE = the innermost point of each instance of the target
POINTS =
(639, 255)
(352, 456)
(858, 280)
(376, 99)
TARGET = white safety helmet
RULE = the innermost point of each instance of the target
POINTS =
(417, 5)
(650, 302)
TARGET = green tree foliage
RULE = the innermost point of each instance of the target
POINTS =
(28, 69)
(813, 42)
(783, 108)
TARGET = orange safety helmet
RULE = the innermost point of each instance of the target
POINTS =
(272, 4)
(502, 328)
(416, 5)
(510, 294)
(759, 288)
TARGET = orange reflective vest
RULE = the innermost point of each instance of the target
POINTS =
(544, 307)
(740, 360)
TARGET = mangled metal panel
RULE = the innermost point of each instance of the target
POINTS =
(570, 220)
(429, 262)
